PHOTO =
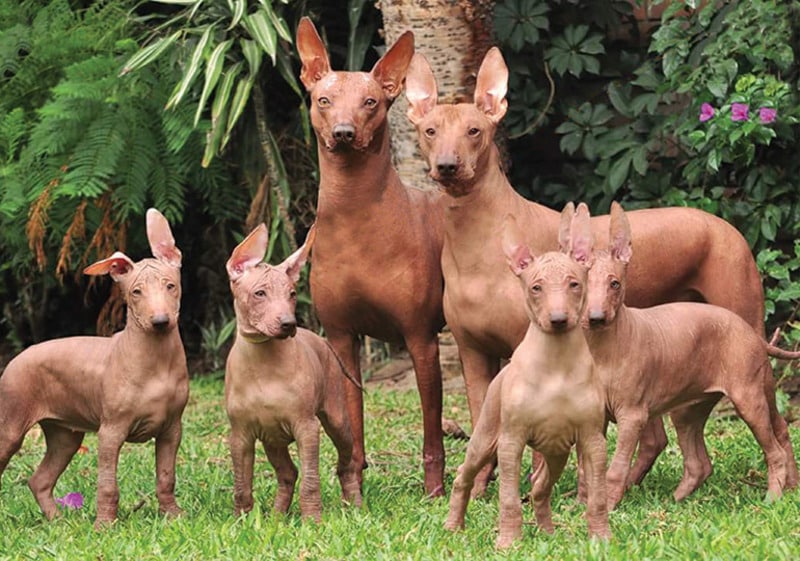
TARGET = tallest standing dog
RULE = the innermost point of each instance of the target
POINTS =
(376, 267)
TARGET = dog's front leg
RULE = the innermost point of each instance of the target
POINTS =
(307, 435)
(167, 444)
(109, 442)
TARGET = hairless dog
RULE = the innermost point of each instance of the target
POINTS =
(130, 387)
(376, 264)
(548, 396)
(681, 253)
(281, 382)
(684, 353)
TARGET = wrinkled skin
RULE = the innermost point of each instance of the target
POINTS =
(130, 387)
(281, 383)
(376, 267)
(681, 253)
(548, 397)
(655, 359)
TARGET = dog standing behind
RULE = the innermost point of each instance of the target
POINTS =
(652, 360)
(130, 387)
(281, 382)
(548, 396)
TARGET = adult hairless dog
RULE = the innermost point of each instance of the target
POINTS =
(681, 253)
(682, 353)
(130, 387)
(376, 267)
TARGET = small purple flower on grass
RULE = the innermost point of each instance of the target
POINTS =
(740, 112)
(706, 112)
(767, 115)
(71, 500)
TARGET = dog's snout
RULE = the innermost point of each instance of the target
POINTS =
(288, 325)
(344, 132)
(447, 167)
(596, 318)
(159, 320)
(558, 319)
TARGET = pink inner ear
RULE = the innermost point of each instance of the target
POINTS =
(117, 264)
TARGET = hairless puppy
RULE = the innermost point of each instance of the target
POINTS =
(130, 387)
(654, 359)
(548, 396)
(281, 382)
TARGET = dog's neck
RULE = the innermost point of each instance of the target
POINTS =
(553, 352)
(604, 344)
(351, 177)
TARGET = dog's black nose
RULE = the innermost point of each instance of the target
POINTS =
(597, 318)
(447, 168)
(558, 320)
(160, 320)
(344, 132)
(288, 325)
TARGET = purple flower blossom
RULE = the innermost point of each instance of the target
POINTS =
(767, 115)
(71, 500)
(706, 112)
(740, 112)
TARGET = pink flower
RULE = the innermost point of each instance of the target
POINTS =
(740, 112)
(706, 112)
(767, 115)
(71, 500)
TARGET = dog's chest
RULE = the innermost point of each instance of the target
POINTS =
(480, 306)
(549, 410)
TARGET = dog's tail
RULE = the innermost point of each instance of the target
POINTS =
(345, 371)
(776, 352)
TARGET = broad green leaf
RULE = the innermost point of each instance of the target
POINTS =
(252, 53)
(223, 92)
(213, 71)
(640, 163)
(149, 53)
(619, 172)
(240, 98)
(277, 22)
(192, 69)
(260, 28)
(237, 9)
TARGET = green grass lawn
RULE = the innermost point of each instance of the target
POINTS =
(726, 519)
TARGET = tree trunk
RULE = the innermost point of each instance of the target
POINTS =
(454, 35)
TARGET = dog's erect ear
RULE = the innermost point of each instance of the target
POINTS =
(390, 71)
(421, 90)
(295, 262)
(313, 54)
(619, 235)
(159, 234)
(118, 265)
(564, 227)
(581, 239)
(518, 254)
(492, 85)
(249, 253)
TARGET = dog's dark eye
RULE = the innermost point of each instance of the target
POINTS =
(574, 285)
(170, 286)
(260, 293)
(474, 131)
(323, 102)
(615, 284)
(430, 132)
(536, 288)
(370, 102)
(293, 294)
(136, 291)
